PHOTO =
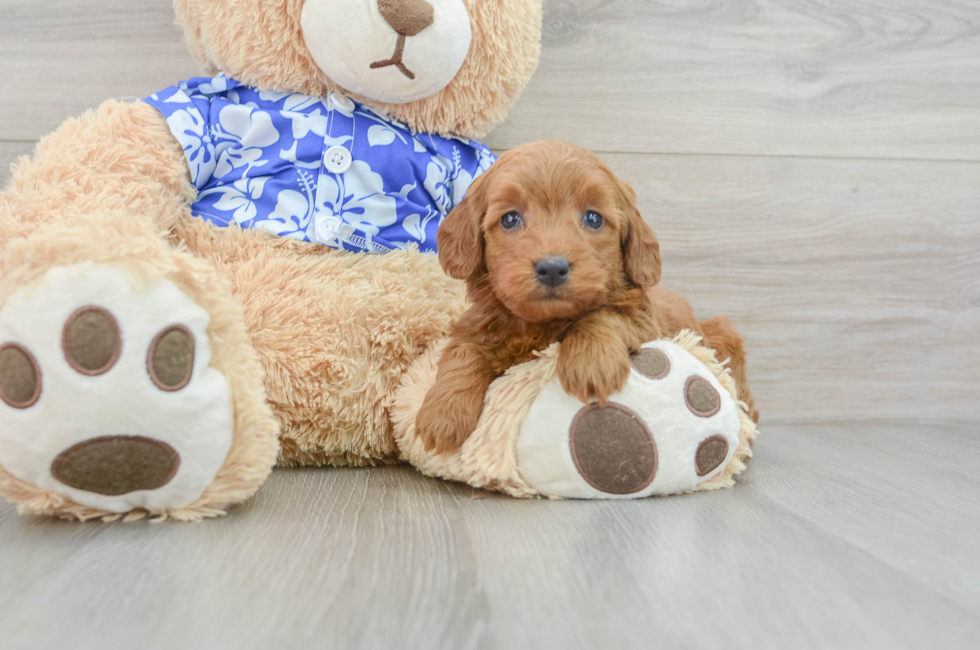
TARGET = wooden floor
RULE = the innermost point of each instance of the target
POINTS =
(838, 537)
(812, 168)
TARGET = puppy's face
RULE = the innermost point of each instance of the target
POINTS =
(554, 231)
(551, 231)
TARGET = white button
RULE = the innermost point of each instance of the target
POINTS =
(337, 160)
(341, 101)
(327, 227)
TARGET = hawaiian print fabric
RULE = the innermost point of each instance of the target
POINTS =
(277, 162)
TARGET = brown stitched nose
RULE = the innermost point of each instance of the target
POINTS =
(408, 17)
(115, 465)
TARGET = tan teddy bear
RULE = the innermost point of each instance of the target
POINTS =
(238, 270)
(172, 296)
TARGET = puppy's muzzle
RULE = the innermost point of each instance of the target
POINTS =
(552, 271)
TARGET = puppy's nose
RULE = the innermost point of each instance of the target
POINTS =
(408, 17)
(552, 270)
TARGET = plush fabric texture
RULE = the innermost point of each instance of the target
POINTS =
(651, 363)
(491, 458)
(91, 340)
(170, 361)
(261, 43)
(121, 163)
(488, 458)
(612, 449)
(408, 17)
(20, 378)
(261, 160)
(120, 156)
(394, 51)
(335, 331)
(701, 397)
(123, 400)
(547, 461)
(711, 453)
(117, 465)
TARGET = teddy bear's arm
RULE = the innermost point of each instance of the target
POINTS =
(118, 157)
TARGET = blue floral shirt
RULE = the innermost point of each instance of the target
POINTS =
(329, 170)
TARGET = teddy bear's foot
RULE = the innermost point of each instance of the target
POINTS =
(676, 426)
(672, 428)
(106, 394)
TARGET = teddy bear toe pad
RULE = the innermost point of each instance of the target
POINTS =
(672, 427)
(106, 394)
(612, 449)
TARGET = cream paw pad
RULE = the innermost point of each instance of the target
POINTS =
(106, 394)
(672, 427)
(677, 426)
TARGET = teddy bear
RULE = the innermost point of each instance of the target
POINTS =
(238, 271)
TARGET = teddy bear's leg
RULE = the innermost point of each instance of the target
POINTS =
(335, 332)
(127, 379)
(676, 426)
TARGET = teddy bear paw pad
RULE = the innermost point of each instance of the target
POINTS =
(672, 427)
(106, 394)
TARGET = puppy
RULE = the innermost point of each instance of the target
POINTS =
(552, 248)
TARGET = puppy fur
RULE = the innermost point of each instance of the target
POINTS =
(606, 307)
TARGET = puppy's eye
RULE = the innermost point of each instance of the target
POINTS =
(592, 219)
(511, 220)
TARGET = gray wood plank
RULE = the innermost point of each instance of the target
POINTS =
(62, 57)
(855, 283)
(807, 552)
(885, 497)
(860, 78)
(799, 77)
(32, 547)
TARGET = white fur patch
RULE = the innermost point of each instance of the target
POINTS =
(346, 36)
(196, 421)
(544, 456)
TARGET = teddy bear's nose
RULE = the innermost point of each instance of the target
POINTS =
(408, 17)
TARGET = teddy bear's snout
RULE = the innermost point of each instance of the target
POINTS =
(116, 465)
(391, 51)
(407, 17)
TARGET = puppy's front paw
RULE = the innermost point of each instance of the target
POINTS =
(443, 425)
(589, 377)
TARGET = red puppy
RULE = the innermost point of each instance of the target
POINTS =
(553, 249)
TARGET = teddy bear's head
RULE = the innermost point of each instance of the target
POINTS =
(445, 66)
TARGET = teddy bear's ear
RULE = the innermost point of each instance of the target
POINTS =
(188, 16)
(461, 240)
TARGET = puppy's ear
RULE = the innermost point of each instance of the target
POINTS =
(641, 250)
(461, 234)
